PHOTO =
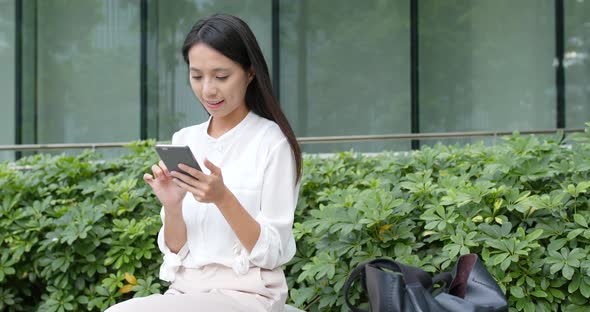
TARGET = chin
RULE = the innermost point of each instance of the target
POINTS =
(216, 113)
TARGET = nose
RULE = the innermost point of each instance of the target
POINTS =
(209, 89)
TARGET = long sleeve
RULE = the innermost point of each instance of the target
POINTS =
(276, 245)
(172, 261)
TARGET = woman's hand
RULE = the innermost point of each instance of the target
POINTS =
(169, 194)
(205, 188)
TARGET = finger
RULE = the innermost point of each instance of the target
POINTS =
(186, 187)
(148, 178)
(164, 168)
(214, 169)
(200, 197)
(157, 171)
(193, 172)
(188, 179)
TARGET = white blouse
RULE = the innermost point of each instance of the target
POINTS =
(258, 167)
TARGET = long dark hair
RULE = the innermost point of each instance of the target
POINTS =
(232, 37)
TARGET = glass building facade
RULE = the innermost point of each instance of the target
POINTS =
(111, 70)
(7, 73)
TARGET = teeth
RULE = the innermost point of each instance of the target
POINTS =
(213, 103)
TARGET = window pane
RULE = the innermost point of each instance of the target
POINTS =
(7, 76)
(177, 106)
(345, 70)
(88, 71)
(486, 65)
(577, 63)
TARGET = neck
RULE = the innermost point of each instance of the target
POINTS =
(220, 125)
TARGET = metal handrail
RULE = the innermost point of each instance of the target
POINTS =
(423, 136)
(305, 140)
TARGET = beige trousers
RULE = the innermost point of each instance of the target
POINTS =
(215, 288)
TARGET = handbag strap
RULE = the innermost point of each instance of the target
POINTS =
(411, 275)
(357, 273)
(445, 277)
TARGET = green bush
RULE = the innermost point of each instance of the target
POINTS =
(79, 233)
(522, 206)
(72, 227)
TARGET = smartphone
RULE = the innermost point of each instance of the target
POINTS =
(172, 155)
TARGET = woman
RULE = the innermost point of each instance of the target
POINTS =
(227, 230)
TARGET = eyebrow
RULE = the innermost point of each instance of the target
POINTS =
(214, 69)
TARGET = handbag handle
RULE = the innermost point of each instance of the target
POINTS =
(358, 272)
(411, 275)
(444, 278)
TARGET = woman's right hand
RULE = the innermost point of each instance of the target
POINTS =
(169, 194)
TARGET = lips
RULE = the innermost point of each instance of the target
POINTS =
(214, 104)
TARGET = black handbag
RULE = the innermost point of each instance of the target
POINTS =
(468, 287)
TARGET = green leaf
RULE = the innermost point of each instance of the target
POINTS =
(556, 267)
(499, 258)
(539, 293)
(516, 291)
(299, 296)
(574, 284)
(567, 272)
(534, 235)
(580, 220)
(574, 233)
(557, 244)
(585, 289)
(529, 307)
(557, 293)
(505, 264)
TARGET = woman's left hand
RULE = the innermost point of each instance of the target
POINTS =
(205, 188)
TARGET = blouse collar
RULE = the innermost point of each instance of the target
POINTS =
(231, 132)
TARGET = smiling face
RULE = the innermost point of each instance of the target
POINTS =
(219, 83)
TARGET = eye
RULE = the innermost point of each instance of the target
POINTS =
(196, 77)
(222, 78)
